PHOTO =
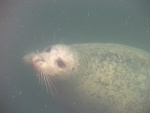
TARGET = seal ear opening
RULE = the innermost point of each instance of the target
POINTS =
(48, 49)
(60, 63)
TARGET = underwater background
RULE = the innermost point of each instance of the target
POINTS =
(30, 25)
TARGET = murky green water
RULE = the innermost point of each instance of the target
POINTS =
(34, 24)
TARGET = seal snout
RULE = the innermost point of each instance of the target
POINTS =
(37, 59)
(37, 62)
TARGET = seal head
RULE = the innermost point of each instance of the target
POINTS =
(54, 60)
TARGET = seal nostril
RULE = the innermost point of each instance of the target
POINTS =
(38, 59)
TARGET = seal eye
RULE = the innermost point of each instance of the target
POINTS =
(48, 49)
(60, 63)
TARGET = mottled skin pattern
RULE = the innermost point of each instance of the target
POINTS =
(110, 78)
(104, 78)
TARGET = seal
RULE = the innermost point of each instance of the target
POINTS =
(95, 77)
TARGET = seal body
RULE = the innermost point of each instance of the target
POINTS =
(95, 77)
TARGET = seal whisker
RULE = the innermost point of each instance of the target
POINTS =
(53, 79)
(50, 80)
(48, 84)
(40, 79)
(45, 83)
